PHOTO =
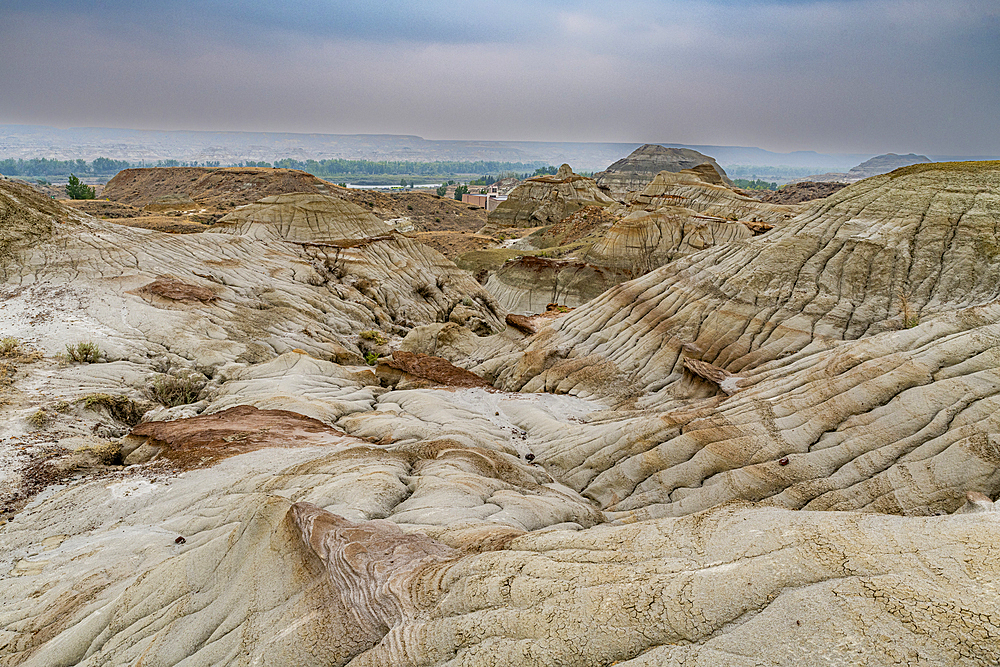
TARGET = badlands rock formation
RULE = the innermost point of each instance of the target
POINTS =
(635, 172)
(599, 247)
(693, 190)
(544, 200)
(780, 449)
(796, 193)
(880, 164)
(527, 285)
(203, 186)
(883, 164)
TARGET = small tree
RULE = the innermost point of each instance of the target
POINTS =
(461, 190)
(77, 190)
(442, 189)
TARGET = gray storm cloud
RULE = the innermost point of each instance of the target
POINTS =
(844, 76)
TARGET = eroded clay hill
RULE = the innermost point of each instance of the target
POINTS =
(778, 449)
(545, 200)
(635, 172)
(190, 199)
(225, 187)
(600, 245)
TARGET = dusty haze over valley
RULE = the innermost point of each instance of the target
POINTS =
(449, 334)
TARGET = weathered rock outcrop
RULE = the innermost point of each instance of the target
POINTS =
(303, 218)
(528, 284)
(644, 240)
(259, 579)
(635, 172)
(27, 218)
(733, 459)
(544, 200)
(675, 215)
(690, 189)
(874, 313)
(796, 193)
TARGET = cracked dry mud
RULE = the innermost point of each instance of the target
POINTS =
(778, 449)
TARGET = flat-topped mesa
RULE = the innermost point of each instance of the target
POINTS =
(696, 190)
(545, 200)
(302, 218)
(226, 187)
(635, 172)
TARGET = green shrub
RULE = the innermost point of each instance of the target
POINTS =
(77, 190)
(40, 419)
(9, 347)
(371, 358)
(84, 352)
(171, 390)
(121, 408)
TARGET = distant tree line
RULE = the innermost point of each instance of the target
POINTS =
(754, 184)
(46, 167)
(102, 166)
(780, 173)
(338, 170)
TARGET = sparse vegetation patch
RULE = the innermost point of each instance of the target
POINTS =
(84, 352)
(376, 337)
(40, 419)
(121, 408)
(9, 347)
(172, 390)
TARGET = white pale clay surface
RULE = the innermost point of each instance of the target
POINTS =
(827, 499)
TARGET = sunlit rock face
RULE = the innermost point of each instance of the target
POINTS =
(635, 172)
(776, 449)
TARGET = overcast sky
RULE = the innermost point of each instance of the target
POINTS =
(865, 76)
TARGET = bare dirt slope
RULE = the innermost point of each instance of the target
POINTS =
(200, 196)
(223, 188)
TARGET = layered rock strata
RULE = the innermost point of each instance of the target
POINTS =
(545, 200)
(691, 190)
(736, 458)
(635, 172)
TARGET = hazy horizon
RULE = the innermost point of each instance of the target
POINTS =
(831, 76)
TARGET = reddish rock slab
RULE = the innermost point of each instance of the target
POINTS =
(177, 290)
(237, 430)
(434, 369)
